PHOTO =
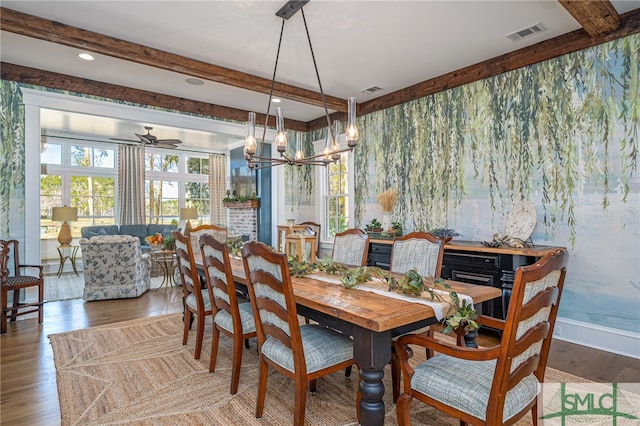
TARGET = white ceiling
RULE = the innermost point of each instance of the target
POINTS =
(357, 44)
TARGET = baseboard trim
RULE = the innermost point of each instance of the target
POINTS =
(613, 340)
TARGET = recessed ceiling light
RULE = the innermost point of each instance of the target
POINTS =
(194, 81)
(276, 100)
(85, 56)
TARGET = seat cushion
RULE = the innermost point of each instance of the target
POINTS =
(466, 385)
(191, 300)
(322, 348)
(223, 319)
(21, 279)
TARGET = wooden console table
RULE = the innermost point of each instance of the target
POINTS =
(472, 262)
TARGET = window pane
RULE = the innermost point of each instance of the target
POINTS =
(50, 196)
(51, 154)
(198, 165)
(104, 157)
(81, 156)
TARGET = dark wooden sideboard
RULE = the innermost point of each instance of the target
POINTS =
(472, 262)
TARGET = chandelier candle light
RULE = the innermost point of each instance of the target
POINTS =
(257, 159)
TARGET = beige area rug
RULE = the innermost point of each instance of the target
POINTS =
(138, 373)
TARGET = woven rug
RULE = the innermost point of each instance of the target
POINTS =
(139, 373)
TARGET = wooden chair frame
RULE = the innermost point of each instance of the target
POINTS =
(418, 235)
(17, 282)
(288, 314)
(190, 285)
(509, 348)
(220, 304)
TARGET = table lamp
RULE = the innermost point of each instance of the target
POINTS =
(63, 214)
(187, 213)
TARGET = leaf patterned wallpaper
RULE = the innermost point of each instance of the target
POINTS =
(562, 133)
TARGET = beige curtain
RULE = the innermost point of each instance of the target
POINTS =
(217, 186)
(131, 184)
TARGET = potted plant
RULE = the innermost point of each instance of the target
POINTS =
(446, 234)
(373, 227)
(168, 243)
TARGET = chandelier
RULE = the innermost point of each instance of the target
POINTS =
(256, 159)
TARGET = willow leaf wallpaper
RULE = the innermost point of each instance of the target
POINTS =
(561, 133)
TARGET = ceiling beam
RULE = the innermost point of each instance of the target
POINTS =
(545, 50)
(26, 75)
(597, 17)
(56, 32)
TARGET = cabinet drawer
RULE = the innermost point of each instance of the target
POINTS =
(482, 260)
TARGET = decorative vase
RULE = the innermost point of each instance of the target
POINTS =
(386, 221)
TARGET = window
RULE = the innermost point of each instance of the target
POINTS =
(336, 198)
(87, 156)
(174, 181)
(94, 197)
(82, 176)
(161, 201)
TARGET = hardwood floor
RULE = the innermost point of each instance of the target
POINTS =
(28, 392)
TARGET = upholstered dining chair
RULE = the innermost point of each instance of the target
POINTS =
(196, 299)
(300, 352)
(230, 317)
(497, 385)
(423, 252)
(351, 247)
(12, 279)
(194, 235)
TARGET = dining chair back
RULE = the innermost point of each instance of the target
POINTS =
(351, 247)
(230, 317)
(12, 280)
(301, 352)
(194, 235)
(421, 251)
(496, 385)
(195, 297)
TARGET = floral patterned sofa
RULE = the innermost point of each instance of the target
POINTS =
(114, 267)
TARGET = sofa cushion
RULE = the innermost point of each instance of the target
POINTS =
(139, 231)
(92, 231)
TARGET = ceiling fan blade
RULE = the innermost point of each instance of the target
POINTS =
(169, 141)
(145, 139)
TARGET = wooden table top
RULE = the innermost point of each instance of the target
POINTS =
(365, 309)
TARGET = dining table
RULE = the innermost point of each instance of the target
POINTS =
(371, 319)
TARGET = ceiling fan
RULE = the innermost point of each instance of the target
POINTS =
(151, 140)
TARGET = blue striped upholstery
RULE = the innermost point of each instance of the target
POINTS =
(415, 253)
(223, 319)
(466, 385)
(191, 300)
(322, 348)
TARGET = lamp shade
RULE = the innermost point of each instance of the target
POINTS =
(187, 213)
(60, 214)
